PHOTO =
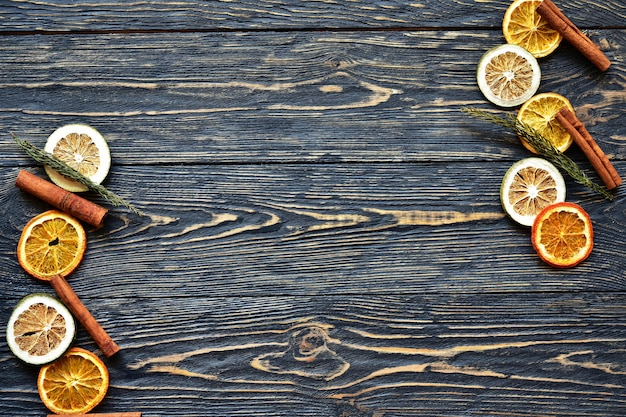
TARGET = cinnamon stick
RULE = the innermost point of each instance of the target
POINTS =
(71, 300)
(559, 22)
(64, 200)
(600, 162)
(128, 414)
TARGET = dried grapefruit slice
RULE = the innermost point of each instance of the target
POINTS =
(528, 187)
(539, 112)
(83, 148)
(40, 329)
(562, 235)
(74, 384)
(508, 75)
(52, 243)
(524, 27)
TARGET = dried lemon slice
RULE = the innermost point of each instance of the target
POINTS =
(40, 329)
(508, 75)
(52, 243)
(539, 112)
(83, 148)
(74, 384)
(562, 235)
(528, 187)
(524, 27)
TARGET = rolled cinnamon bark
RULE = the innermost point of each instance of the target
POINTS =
(71, 300)
(64, 200)
(600, 162)
(559, 22)
(126, 414)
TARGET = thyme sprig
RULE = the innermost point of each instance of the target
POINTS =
(53, 162)
(543, 146)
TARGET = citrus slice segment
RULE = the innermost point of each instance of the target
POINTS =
(40, 329)
(539, 112)
(562, 235)
(74, 384)
(83, 148)
(508, 75)
(524, 27)
(52, 243)
(529, 186)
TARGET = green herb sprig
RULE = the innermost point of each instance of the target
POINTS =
(543, 146)
(64, 169)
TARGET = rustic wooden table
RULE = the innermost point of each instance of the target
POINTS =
(323, 232)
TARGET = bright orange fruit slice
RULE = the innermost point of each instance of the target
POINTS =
(539, 112)
(562, 235)
(524, 27)
(74, 384)
(52, 243)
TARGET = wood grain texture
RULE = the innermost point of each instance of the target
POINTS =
(324, 230)
(323, 235)
(285, 97)
(66, 15)
(542, 354)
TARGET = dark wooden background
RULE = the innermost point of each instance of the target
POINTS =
(311, 185)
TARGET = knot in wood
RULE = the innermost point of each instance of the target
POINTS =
(309, 342)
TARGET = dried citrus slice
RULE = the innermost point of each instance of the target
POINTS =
(562, 235)
(74, 384)
(52, 243)
(40, 329)
(83, 148)
(524, 27)
(508, 75)
(539, 112)
(528, 187)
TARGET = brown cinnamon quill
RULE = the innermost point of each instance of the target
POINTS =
(71, 300)
(598, 159)
(64, 200)
(127, 414)
(559, 22)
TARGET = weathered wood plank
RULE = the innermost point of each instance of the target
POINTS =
(324, 235)
(284, 97)
(29, 15)
(431, 355)
(319, 229)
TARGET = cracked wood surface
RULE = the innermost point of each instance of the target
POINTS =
(323, 233)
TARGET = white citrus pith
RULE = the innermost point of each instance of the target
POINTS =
(40, 330)
(508, 75)
(83, 148)
(528, 187)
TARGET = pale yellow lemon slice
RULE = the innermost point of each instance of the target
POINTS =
(83, 148)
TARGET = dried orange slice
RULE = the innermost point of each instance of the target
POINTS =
(524, 27)
(529, 186)
(52, 243)
(83, 148)
(562, 235)
(74, 384)
(40, 329)
(508, 75)
(539, 112)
